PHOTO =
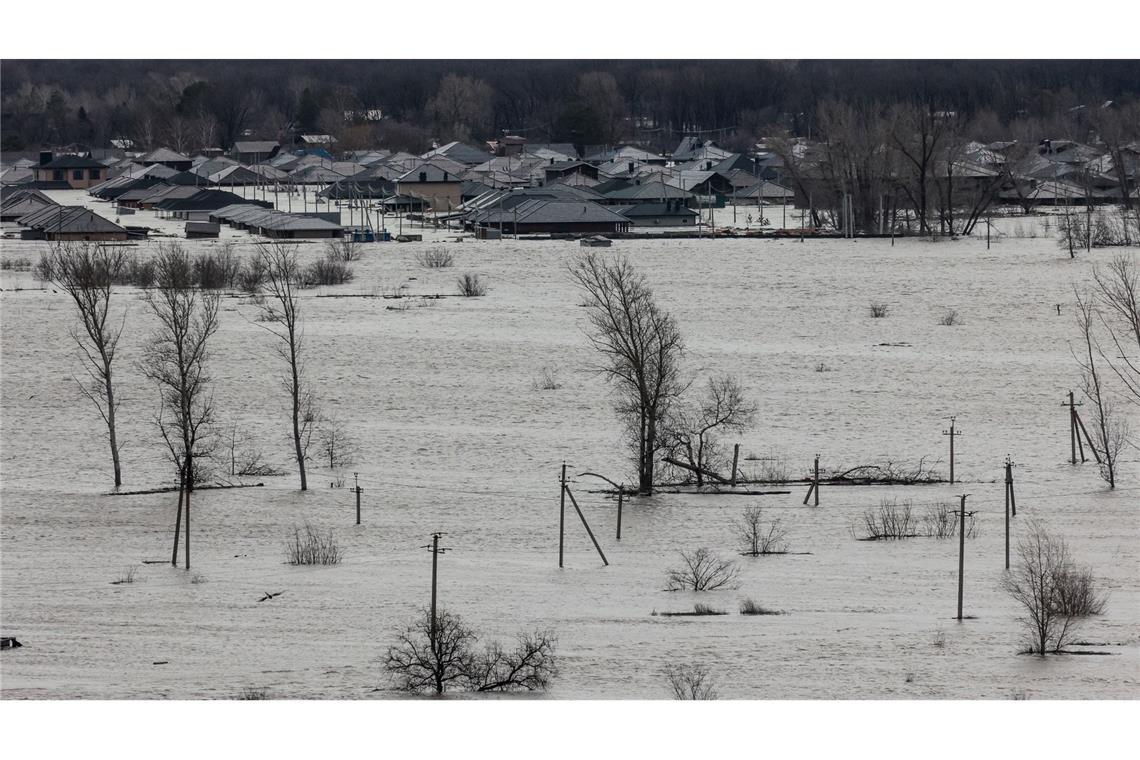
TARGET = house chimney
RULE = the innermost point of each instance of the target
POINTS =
(46, 157)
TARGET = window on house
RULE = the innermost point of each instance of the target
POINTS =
(423, 176)
(57, 174)
(77, 174)
(95, 173)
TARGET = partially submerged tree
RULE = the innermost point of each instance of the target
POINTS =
(690, 682)
(759, 536)
(691, 432)
(334, 442)
(282, 311)
(1110, 432)
(1053, 593)
(433, 660)
(175, 359)
(641, 346)
(85, 272)
(1118, 294)
(701, 570)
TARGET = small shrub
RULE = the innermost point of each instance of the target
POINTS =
(327, 271)
(949, 319)
(471, 286)
(1077, 595)
(251, 275)
(702, 571)
(128, 576)
(758, 536)
(939, 640)
(343, 250)
(749, 607)
(436, 258)
(19, 264)
(890, 520)
(217, 269)
(547, 380)
(311, 547)
(254, 692)
(705, 609)
(941, 521)
(821, 367)
(690, 682)
(198, 578)
(879, 310)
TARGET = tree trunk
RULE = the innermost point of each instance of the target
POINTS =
(178, 517)
(111, 425)
(297, 429)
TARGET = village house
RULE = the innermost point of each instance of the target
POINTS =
(78, 172)
(168, 158)
(254, 151)
(433, 183)
(672, 213)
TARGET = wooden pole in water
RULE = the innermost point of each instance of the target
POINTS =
(1012, 494)
(621, 497)
(735, 460)
(815, 483)
(961, 551)
(953, 434)
(434, 564)
(1072, 422)
(356, 479)
(561, 513)
(1008, 489)
(582, 517)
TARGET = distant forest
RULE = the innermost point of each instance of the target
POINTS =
(189, 105)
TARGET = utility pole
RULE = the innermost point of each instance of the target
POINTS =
(1074, 439)
(953, 434)
(356, 489)
(435, 552)
(621, 497)
(561, 513)
(961, 550)
(1008, 502)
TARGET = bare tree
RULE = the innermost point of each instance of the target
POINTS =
(86, 272)
(282, 312)
(641, 346)
(1117, 288)
(421, 662)
(690, 682)
(1110, 428)
(702, 571)
(335, 443)
(175, 359)
(760, 536)
(530, 666)
(691, 432)
(1052, 591)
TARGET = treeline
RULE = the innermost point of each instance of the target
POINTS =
(193, 104)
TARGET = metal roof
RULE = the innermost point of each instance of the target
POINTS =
(163, 155)
(68, 219)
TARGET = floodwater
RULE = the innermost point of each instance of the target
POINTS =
(453, 436)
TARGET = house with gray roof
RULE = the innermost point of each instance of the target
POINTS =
(669, 214)
(545, 215)
(433, 182)
(167, 157)
(69, 223)
(254, 151)
(79, 172)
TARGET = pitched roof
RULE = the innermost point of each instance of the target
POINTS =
(648, 191)
(73, 162)
(163, 156)
(546, 211)
(68, 220)
(461, 152)
(256, 146)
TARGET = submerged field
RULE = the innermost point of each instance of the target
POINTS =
(455, 437)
